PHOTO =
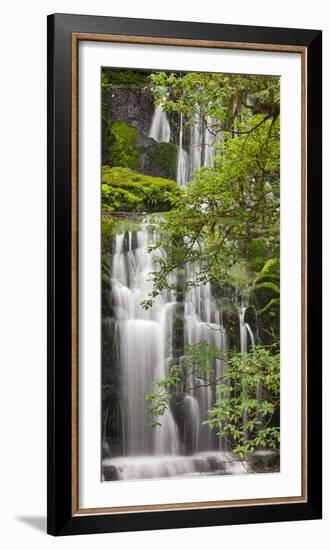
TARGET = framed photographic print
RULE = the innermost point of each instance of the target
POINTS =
(184, 274)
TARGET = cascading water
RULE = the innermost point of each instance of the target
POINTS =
(182, 445)
(182, 171)
(196, 143)
(203, 322)
(142, 335)
(245, 331)
(202, 147)
(160, 129)
(146, 352)
(211, 140)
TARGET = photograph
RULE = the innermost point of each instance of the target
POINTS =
(190, 279)
(184, 274)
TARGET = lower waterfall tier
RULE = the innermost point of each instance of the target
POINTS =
(151, 467)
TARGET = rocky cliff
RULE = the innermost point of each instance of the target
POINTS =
(125, 136)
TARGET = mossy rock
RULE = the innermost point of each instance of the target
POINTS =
(165, 156)
(122, 145)
(125, 190)
(108, 232)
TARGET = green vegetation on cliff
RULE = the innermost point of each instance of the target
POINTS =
(108, 229)
(126, 77)
(124, 190)
(165, 155)
(122, 149)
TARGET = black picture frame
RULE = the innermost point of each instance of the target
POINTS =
(61, 518)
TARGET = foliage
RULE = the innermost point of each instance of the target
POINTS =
(128, 77)
(165, 155)
(229, 213)
(223, 210)
(122, 149)
(220, 97)
(197, 364)
(257, 253)
(129, 191)
(248, 394)
(108, 230)
(267, 289)
(248, 398)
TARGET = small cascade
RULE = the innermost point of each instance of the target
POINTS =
(211, 140)
(203, 322)
(202, 142)
(202, 147)
(196, 144)
(150, 467)
(245, 330)
(160, 129)
(242, 329)
(182, 171)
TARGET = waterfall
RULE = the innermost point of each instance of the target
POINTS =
(142, 336)
(160, 128)
(146, 352)
(203, 322)
(182, 171)
(210, 141)
(195, 149)
(245, 330)
(202, 148)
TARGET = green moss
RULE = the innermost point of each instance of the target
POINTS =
(122, 149)
(127, 77)
(128, 191)
(165, 155)
(108, 231)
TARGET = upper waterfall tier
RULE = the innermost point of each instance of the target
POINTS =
(203, 141)
(160, 129)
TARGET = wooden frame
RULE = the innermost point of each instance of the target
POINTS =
(64, 34)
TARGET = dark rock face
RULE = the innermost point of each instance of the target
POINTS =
(111, 406)
(110, 352)
(110, 473)
(125, 104)
(183, 421)
(134, 243)
(265, 461)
